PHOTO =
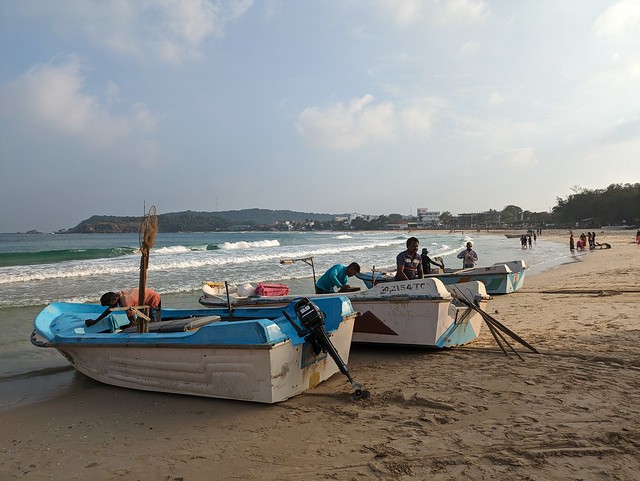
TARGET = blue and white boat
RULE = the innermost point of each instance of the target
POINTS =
(260, 355)
(499, 278)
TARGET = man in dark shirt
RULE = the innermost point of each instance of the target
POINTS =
(427, 262)
(409, 264)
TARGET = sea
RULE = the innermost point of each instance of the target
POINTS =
(37, 269)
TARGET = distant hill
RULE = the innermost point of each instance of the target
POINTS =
(190, 221)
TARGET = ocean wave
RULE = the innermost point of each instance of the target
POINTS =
(51, 257)
(178, 249)
(182, 259)
(172, 250)
(249, 244)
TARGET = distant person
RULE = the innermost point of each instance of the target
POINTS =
(529, 241)
(128, 298)
(427, 262)
(468, 256)
(337, 277)
(409, 262)
(572, 245)
(523, 241)
(583, 239)
(638, 237)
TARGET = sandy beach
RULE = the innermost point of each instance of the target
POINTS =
(569, 413)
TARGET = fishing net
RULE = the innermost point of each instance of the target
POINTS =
(148, 230)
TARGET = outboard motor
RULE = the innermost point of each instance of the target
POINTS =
(313, 331)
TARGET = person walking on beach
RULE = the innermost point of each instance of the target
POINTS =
(427, 262)
(572, 245)
(128, 298)
(337, 277)
(409, 263)
(468, 256)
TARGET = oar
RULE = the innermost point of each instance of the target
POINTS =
(495, 323)
(494, 333)
(508, 331)
(491, 328)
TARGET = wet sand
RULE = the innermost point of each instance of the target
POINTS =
(572, 412)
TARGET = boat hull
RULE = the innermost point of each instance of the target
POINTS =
(435, 323)
(420, 312)
(500, 278)
(266, 374)
(250, 360)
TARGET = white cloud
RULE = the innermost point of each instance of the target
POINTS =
(349, 126)
(619, 19)
(461, 11)
(521, 157)
(470, 47)
(342, 126)
(403, 12)
(419, 117)
(496, 99)
(169, 30)
(625, 69)
(448, 12)
(51, 98)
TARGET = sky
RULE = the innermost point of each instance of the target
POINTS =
(326, 106)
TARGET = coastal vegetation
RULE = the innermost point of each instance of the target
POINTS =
(618, 204)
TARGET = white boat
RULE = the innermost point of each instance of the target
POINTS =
(420, 312)
(253, 354)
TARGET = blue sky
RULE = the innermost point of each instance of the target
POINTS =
(374, 107)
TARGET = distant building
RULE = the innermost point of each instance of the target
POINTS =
(428, 218)
(347, 219)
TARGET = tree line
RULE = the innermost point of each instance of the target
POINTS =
(618, 204)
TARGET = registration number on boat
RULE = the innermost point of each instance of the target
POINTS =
(411, 286)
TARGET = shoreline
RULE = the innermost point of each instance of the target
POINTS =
(471, 412)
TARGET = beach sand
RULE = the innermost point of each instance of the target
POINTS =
(570, 413)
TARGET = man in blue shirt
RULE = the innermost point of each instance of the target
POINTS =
(337, 277)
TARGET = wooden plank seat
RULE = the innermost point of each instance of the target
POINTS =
(177, 325)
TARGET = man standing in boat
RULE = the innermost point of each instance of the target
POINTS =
(409, 263)
(468, 256)
(427, 262)
(337, 276)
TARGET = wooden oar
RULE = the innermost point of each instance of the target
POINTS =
(494, 333)
(492, 328)
(506, 330)
(489, 320)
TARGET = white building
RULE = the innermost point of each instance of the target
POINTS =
(427, 218)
